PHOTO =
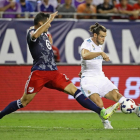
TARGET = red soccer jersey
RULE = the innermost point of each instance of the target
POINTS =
(128, 8)
(136, 7)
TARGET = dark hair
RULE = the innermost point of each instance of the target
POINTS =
(96, 28)
(40, 17)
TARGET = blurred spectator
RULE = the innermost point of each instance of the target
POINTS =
(97, 2)
(4, 8)
(44, 6)
(1, 3)
(66, 8)
(86, 8)
(105, 8)
(114, 2)
(127, 9)
(26, 7)
(13, 8)
(33, 3)
(76, 3)
(55, 49)
(136, 6)
(58, 4)
(54, 3)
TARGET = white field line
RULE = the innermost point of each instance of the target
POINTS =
(10, 127)
(59, 111)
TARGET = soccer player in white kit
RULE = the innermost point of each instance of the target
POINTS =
(93, 81)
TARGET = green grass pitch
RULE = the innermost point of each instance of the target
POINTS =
(68, 126)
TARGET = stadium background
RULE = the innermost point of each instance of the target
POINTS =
(122, 45)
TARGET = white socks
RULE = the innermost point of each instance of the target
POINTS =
(121, 99)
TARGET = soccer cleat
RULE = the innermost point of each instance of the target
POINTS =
(106, 113)
(138, 111)
(107, 124)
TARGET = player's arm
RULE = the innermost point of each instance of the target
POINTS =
(45, 26)
(87, 55)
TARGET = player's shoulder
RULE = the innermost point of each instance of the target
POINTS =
(31, 29)
(88, 41)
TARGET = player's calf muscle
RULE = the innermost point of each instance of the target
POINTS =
(113, 95)
(27, 98)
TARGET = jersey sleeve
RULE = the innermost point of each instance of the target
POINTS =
(85, 45)
(29, 35)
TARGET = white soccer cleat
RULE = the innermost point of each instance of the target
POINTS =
(106, 113)
(138, 111)
(107, 124)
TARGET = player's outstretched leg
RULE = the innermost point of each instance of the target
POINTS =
(106, 123)
(137, 111)
(87, 103)
(106, 113)
(97, 99)
(15, 105)
(117, 97)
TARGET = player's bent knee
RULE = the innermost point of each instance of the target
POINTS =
(70, 89)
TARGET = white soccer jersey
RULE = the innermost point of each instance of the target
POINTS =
(91, 67)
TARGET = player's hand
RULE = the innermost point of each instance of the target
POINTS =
(105, 56)
(52, 16)
(80, 73)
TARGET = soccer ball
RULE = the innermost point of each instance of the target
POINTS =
(127, 106)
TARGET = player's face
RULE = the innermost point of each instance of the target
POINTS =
(101, 38)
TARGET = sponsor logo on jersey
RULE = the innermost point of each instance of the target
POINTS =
(98, 57)
(30, 89)
(89, 91)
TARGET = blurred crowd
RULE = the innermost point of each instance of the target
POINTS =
(83, 9)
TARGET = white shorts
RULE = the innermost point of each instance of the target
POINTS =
(99, 84)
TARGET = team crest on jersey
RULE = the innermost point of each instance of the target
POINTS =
(101, 48)
(89, 91)
(30, 89)
(93, 47)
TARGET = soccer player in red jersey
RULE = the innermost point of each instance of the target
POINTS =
(44, 71)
